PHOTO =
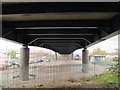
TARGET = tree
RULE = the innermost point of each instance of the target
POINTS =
(12, 54)
(98, 51)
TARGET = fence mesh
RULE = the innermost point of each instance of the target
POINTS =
(50, 71)
(67, 70)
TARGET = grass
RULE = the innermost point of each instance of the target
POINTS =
(118, 86)
(40, 85)
(23, 86)
(106, 78)
(109, 79)
(99, 62)
(87, 79)
(72, 81)
(2, 86)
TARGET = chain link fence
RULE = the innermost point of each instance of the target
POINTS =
(49, 71)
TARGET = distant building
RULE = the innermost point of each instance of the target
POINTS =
(2, 56)
(107, 56)
(97, 58)
(77, 57)
(111, 55)
(33, 55)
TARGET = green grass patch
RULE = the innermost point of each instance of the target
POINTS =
(41, 85)
(106, 78)
(87, 79)
(23, 86)
(99, 62)
(118, 86)
(72, 81)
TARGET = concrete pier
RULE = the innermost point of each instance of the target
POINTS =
(56, 56)
(65, 56)
(24, 63)
(72, 56)
(85, 61)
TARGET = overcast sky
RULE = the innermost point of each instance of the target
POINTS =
(108, 45)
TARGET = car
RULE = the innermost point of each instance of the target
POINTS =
(50, 60)
(30, 62)
(5, 63)
(47, 60)
(2, 68)
(41, 61)
(8, 64)
(35, 61)
(15, 63)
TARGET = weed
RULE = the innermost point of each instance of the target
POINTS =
(87, 79)
(106, 78)
(2, 86)
(72, 81)
(108, 85)
(117, 86)
(40, 85)
(23, 86)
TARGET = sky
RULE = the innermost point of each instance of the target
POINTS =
(108, 45)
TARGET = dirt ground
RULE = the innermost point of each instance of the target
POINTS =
(75, 83)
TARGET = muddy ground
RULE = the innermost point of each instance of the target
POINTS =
(75, 83)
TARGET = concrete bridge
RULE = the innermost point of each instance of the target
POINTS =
(60, 26)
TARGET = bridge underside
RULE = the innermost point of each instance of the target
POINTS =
(61, 27)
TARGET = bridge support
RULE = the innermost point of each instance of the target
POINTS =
(24, 63)
(72, 56)
(65, 56)
(56, 56)
(85, 61)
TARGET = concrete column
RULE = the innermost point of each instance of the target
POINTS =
(56, 56)
(85, 61)
(24, 63)
(65, 56)
(72, 56)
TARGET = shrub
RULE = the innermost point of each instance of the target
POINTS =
(115, 68)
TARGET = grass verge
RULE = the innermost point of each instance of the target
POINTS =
(99, 62)
(106, 78)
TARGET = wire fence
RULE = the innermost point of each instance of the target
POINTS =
(50, 72)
